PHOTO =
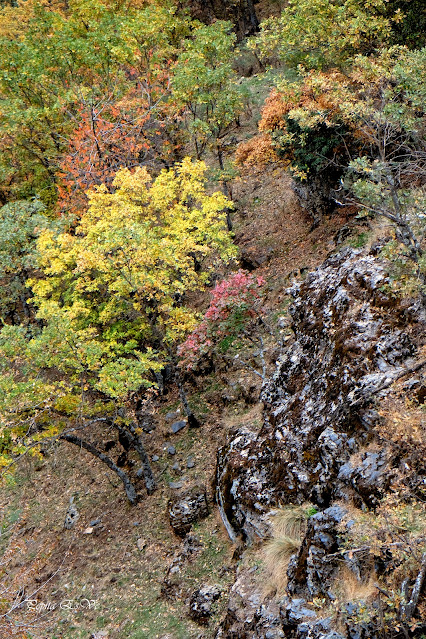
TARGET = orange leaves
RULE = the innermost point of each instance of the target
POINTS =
(256, 151)
(109, 136)
(274, 112)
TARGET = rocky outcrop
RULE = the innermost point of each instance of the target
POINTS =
(320, 443)
(250, 614)
(309, 572)
(351, 343)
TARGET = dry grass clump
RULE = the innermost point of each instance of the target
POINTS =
(290, 521)
(350, 588)
(288, 529)
(277, 555)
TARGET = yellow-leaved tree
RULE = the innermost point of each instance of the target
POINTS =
(111, 299)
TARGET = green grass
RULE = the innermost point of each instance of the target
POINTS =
(359, 241)
(156, 620)
(169, 408)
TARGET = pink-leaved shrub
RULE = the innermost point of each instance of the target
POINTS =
(234, 303)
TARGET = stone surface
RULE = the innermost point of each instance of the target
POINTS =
(171, 450)
(319, 444)
(250, 614)
(309, 573)
(171, 586)
(186, 508)
(351, 341)
(177, 426)
(146, 421)
(176, 485)
(201, 602)
(72, 515)
(172, 415)
(95, 522)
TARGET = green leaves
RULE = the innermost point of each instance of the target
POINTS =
(319, 33)
(21, 223)
(66, 67)
(204, 83)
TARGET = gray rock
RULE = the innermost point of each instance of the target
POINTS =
(146, 421)
(350, 342)
(177, 426)
(172, 415)
(296, 611)
(309, 573)
(176, 484)
(250, 614)
(95, 522)
(187, 508)
(201, 602)
(155, 458)
(190, 462)
(171, 450)
(176, 467)
(72, 515)
(172, 586)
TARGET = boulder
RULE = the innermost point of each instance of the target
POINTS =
(186, 508)
(251, 614)
(201, 602)
(177, 426)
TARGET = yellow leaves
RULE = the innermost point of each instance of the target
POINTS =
(398, 16)
(133, 185)
(113, 286)
(178, 322)
(54, 251)
(68, 404)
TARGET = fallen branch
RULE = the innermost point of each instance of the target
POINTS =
(128, 486)
(408, 609)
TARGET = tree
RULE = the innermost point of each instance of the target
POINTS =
(204, 86)
(234, 307)
(362, 130)
(324, 33)
(129, 122)
(21, 223)
(112, 299)
(77, 88)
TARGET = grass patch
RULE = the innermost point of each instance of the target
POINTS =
(359, 241)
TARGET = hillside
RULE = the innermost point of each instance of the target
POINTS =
(212, 304)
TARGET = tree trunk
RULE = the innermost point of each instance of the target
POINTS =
(128, 486)
(192, 420)
(226, 189)
(150, 483)
(127, 433)
(252, 16)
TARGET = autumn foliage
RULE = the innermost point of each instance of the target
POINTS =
(234, 303)
(117, 132)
